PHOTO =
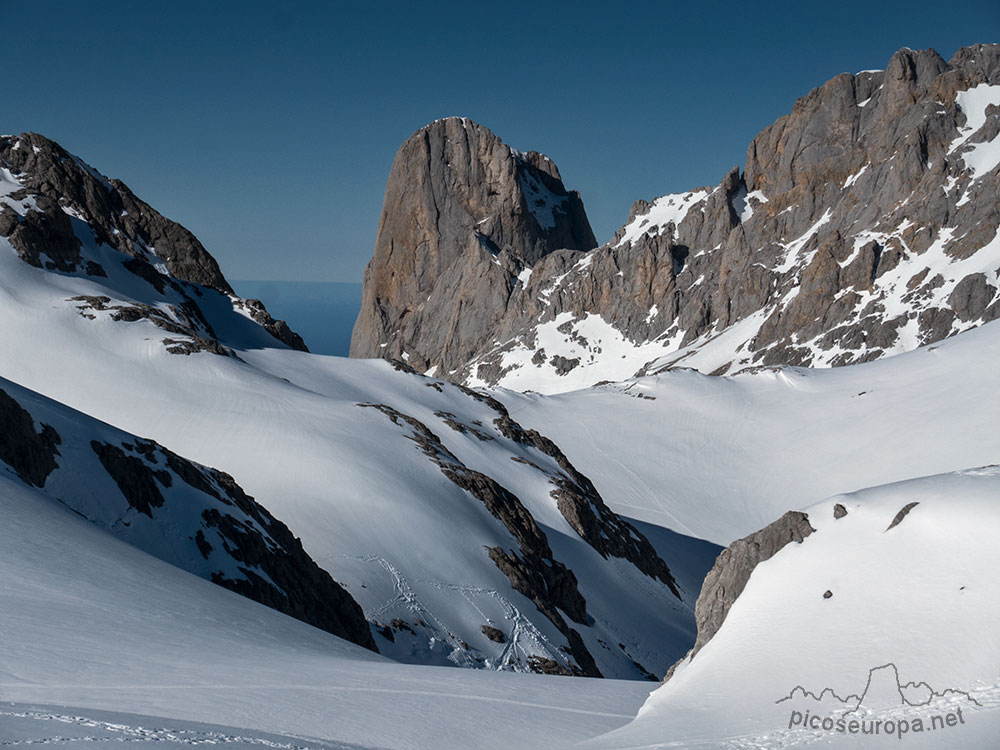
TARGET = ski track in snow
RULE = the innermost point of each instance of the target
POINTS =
(50, 728)
(522, 629)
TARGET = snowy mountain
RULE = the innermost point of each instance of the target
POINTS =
(864, 223)
(882, 616)
(191, 516)
(507, 531)
(465, 538)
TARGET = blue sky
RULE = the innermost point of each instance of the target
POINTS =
(269, 129)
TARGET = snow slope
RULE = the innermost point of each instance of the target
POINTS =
(92, 624)
(191, 516)
(371, 507)
(720, 457)
(908, 633)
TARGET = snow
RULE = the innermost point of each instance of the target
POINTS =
(792, 249)
(605, 353)
(718, 458)
(742, 202)
(857, 175)
(666, 209)
(345, 479)
(914, 604)
(980, 158)
(92, 624)
(541, 201)
(104, 642)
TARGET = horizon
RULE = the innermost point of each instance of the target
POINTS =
(270, 133)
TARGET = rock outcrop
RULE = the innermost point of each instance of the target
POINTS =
(864, 223)
(728, 577)
(54, 208)
(531, 568)
(463, 215)
(190, 515)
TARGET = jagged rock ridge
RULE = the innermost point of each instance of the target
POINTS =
(190, 515)
(58, 212)
(864, 223)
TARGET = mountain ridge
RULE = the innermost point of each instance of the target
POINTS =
(861, 225)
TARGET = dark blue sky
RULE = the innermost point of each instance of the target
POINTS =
(268, 129)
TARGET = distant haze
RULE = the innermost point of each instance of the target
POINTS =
(323, 313)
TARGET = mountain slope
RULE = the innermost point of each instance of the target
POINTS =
(192, 516)
(466, 539)
(92, 624)
(718, 458)
(884, 613)
(59, 213)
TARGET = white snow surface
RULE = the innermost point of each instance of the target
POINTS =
(91, 624)
(665, 209)
(370, 507)
(720, 457)
(917, 603)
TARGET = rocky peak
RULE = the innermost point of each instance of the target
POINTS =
(463, 214)
(59, 213)
(864, 223)
(117, 216)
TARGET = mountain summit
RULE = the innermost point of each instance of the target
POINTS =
(463, 215)
(864, 223)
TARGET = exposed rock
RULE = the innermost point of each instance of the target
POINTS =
(728, 577)
(29, 452)
(839, 511)
(463, 215)
(827, 594)
(494, 634)
(65, 203)
(841, 209)
(277, 328)
(136, 480)
(581, 504)
(185, 319)
(898, 519)
(112, 211)
(532, 569)
(452, 421)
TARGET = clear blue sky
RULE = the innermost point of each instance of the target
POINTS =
(269, 129)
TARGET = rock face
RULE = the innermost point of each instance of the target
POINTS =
(463, 215)
(190, 515)
(527, 559)
(728, 577)
(864, 223)
(55, 210)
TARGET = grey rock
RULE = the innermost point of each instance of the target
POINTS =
(836, 199)
(463, 215)
(494, 634)
(839, 511)
(731, 572)
(29, 452)
(903, 512)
